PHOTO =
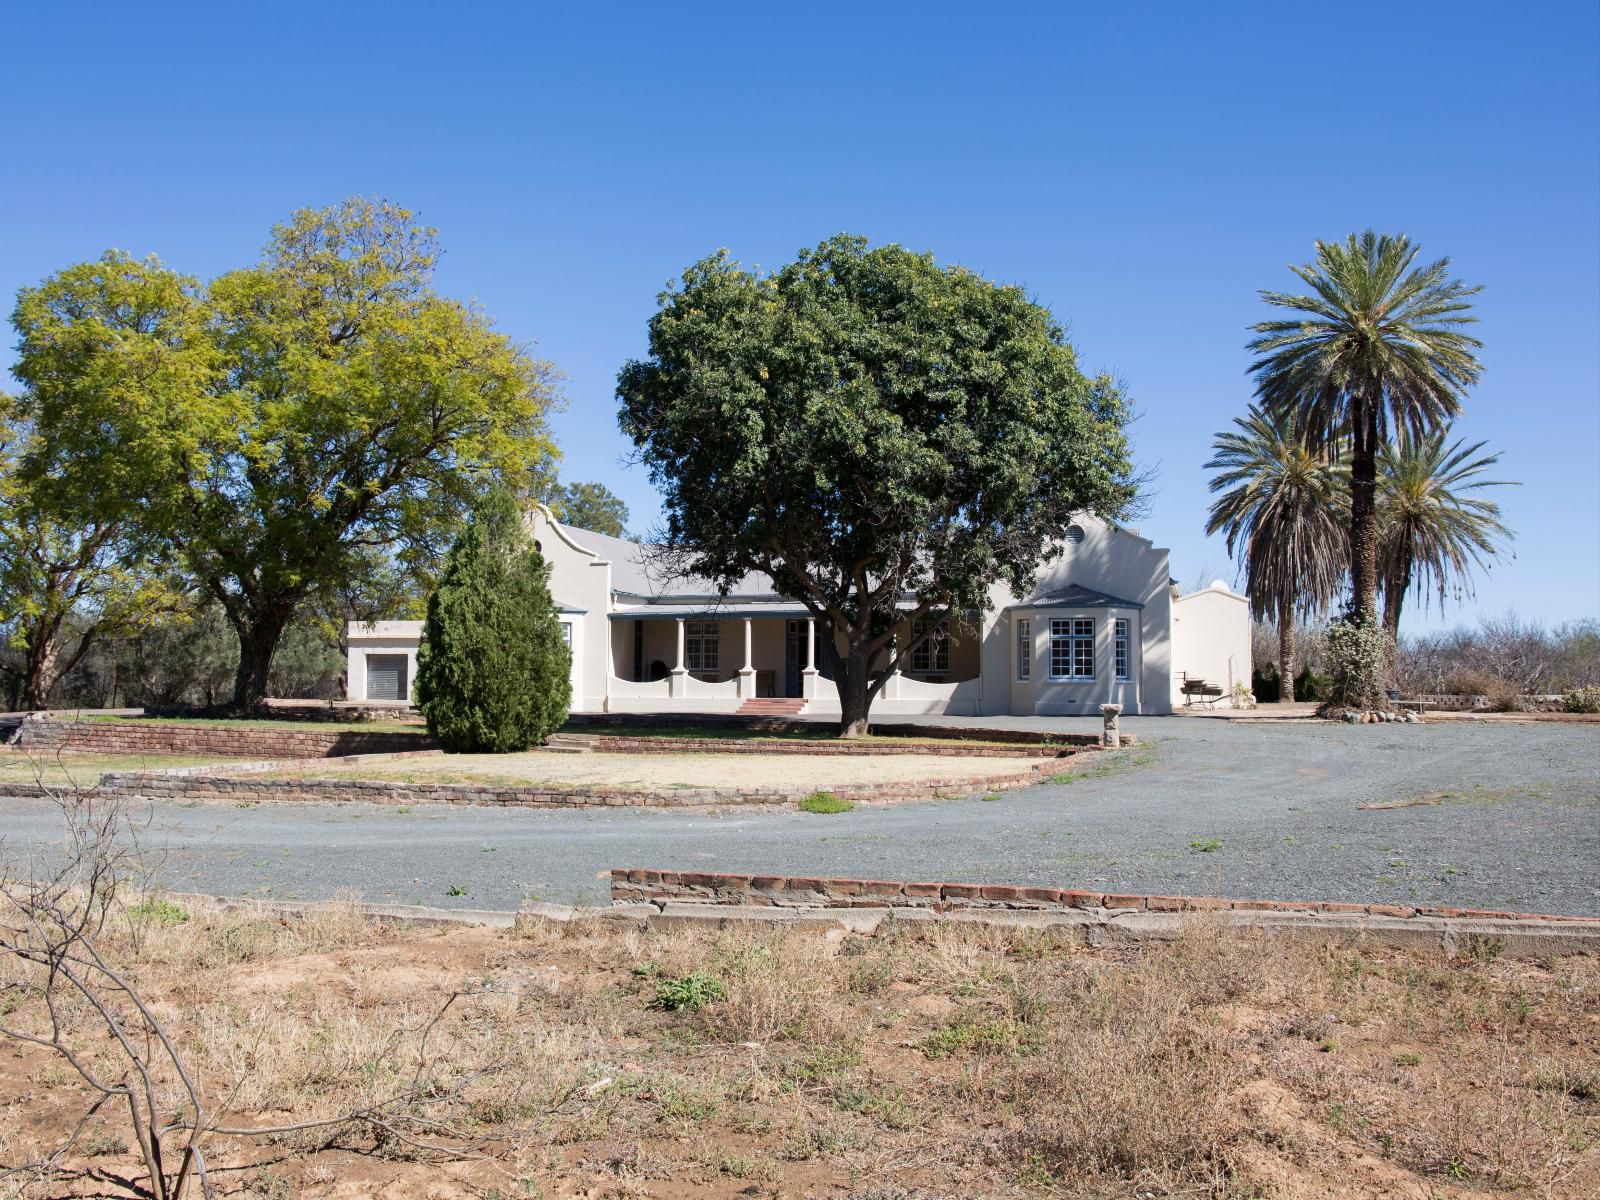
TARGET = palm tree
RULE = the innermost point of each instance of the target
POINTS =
(1378, 344)
(1430, 530)
(1283, 503)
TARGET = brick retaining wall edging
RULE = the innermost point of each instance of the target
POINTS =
(135, 736)
(217, 784)
(622, 743)
(636, 884)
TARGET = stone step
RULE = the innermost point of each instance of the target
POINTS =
(569, 743)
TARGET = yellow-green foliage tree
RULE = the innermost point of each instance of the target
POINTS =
(326, 417)
(80, 560)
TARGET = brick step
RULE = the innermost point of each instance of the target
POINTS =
(772, 706)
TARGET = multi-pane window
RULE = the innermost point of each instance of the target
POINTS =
(930, 647)
(1122, 649)
(1072, 648)
(566, 633)
(700, 647)
(1024, 651)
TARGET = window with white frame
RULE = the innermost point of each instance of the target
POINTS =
(701, 647)
(930, 647)
(1072, 648)
(566, 633)
(1123, 659)
(1024, 651)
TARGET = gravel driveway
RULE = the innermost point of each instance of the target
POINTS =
(1508, 817)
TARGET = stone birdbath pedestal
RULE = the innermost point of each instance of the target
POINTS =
(1111, 735)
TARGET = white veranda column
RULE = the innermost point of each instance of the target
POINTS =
(677, 685)
(808, 677)
(747, 673)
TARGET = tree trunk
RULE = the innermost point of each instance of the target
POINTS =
(853, 680)
(1394, 598)
(1364, 512)
(1286, 648)
(39, 665)
(259, 634)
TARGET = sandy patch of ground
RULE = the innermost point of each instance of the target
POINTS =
(647, 771)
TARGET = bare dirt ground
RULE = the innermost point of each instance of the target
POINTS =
(602, 769)
(591, 1060)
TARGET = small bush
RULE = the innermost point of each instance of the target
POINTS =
(157, 911)
(690, 992)
(825, 802)
(1308, 685)
(1582, 700)
(1358, 661)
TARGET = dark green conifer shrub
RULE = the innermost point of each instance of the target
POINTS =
(493, 668)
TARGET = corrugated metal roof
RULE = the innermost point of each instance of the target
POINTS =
(632, 573)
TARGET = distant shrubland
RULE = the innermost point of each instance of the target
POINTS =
(1498, 657)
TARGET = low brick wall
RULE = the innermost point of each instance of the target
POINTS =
(597, 723)
(219, 741)
(634, 884)
(218, 785)
(622, 744)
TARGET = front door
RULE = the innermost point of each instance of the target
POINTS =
(794, 656)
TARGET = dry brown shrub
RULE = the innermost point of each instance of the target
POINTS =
(784, 985)
(1133, 1081)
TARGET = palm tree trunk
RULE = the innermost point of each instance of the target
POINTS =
(1364, 512)
(1286, 648)
(1394, 598)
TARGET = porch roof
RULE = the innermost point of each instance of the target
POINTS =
(709, 611)
(1074, 596)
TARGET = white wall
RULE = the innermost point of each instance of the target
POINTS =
(378, 637)
(580, 579)
(1115, 562)
(1210, 639)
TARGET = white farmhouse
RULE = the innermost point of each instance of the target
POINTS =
(1103, 624)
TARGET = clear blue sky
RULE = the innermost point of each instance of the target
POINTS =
(1141, 169)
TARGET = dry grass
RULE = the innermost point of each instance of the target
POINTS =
(927, 1063)
(70, 768)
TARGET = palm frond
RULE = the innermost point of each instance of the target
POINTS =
(1433, 531)
(1280, 502)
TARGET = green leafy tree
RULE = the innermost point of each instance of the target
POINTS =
(1282, 506)
(1432, 529)
(1377, 345)
(187, 658)
(79, 563)
(880, 435)
(331, 418)
(591, 506)
(493, 671)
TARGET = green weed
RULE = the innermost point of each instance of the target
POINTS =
(825, 802)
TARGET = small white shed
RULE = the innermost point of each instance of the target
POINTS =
(1210, 640)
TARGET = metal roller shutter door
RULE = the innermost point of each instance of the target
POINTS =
(386, 677)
